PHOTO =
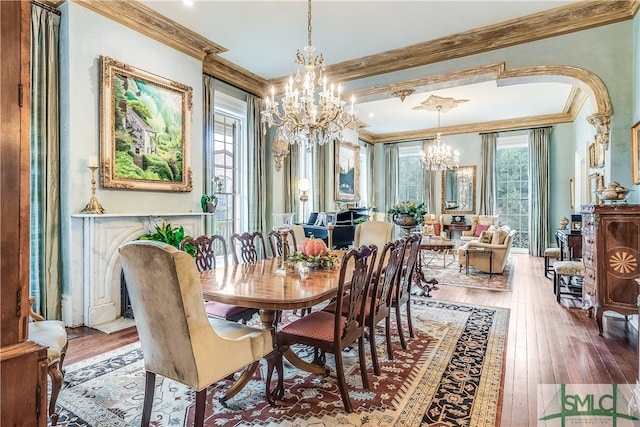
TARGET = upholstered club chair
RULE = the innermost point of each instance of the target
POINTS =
(499, 241)
(53, 335)
(178, 340)
(479, 223)
(376, 233)
(433, 226)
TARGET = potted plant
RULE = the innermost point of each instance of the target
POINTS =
(170, 235)
(208, 202)
(408, 213)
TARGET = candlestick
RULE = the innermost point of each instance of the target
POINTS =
(93, 207)
(93, 161)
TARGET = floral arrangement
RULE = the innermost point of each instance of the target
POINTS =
(326, 261)
(413, 208)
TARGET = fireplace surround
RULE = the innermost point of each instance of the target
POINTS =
(93, 297)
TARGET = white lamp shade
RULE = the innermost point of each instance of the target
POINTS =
(304, 184)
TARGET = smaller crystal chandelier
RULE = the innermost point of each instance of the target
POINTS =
(465, 175)
(307, 118)
(439, 156)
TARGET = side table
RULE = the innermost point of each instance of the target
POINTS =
(478, 251)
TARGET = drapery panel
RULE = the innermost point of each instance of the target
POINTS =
(488, 185)
(319, 159)
(291, 170)
(429, 178)
(391, 164)
(371, 195)
(45, 225)
(539, 142)
(208, 129)
(257, 166)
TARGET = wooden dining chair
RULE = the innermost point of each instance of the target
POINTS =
(275, 242)
(248, 248)
(208, 248)
(333, 332)
(178, 340)
(401, 294)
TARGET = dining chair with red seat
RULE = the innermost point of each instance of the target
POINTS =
(248, 248)
(333, 332)
(207, 249)
(401, 293)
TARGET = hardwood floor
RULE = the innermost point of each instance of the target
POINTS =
(546, 344)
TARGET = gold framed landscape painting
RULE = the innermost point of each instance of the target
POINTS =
(347, 171)
(144, 130)
(635, 153)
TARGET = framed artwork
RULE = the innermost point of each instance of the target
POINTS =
(572, 192)
(144, 130)
(347, 171)
(635, 153)
(600, 153)
(593, 161)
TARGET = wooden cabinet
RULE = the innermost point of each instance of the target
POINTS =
(610, 253)
(23, 363)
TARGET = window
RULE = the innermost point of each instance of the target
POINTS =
(410, 185)
(512, 184)
(228, 157)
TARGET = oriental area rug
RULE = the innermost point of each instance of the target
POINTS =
(451, 374)
(453, 275)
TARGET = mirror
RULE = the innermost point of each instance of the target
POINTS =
(459, 190)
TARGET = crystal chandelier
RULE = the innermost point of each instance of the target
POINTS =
(465, 175)
(307, 118)
(439, 156)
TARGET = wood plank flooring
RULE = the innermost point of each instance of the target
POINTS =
(547, 343)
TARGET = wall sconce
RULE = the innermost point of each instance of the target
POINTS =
(304, 185)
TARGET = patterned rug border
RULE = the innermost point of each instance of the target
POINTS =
(457, 321)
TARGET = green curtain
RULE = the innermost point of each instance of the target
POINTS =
(45, 263)
(488, 185)
(371, 195)
(257, 167)
(391, 164)
(319, 160)
(429, 178)
(291, 173)
(539, 141)
(208, 129)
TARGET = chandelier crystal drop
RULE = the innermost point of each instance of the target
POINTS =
(439, 156)
(312, 110)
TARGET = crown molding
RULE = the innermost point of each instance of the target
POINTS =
(138, 17)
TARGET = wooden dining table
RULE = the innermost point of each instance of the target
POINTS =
(264, 286)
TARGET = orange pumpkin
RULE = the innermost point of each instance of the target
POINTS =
(313, 247)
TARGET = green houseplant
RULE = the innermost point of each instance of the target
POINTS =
(170, 235)
(411, 208)
(208, 202)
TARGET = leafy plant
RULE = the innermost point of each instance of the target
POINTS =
(170, 235)
(413, 208)
(207, 198)
(326, 261)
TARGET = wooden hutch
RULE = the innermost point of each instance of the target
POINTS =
(610, 253)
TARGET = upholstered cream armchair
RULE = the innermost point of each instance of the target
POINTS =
(499, 241)
(479, 223)
(178, 340)
(433, 225)
(377, 233)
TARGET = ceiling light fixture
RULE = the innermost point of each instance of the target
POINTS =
(307, 118)
(439, 156)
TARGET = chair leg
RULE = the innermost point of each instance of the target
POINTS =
(409, 322)
(272, 363)
(201, 401)
(399, 325)
(387, 326)
(149, 389)
(342, 384)
(363, 362)
(374, 353)
(56, 384)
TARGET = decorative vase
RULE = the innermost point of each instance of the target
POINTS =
(405, 221)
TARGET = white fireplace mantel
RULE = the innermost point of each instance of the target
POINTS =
(93, 297)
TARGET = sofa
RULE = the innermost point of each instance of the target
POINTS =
(344, 228)
(499, 240)
(479, 223)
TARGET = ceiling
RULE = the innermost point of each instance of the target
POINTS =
(263, 36)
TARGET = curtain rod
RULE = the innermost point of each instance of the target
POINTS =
(44, 6)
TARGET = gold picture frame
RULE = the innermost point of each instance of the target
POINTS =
(572, 193)
(600, 153)
(595, 181)
(347, 171)
(635, 153)
(145, 125)
(593, 156)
